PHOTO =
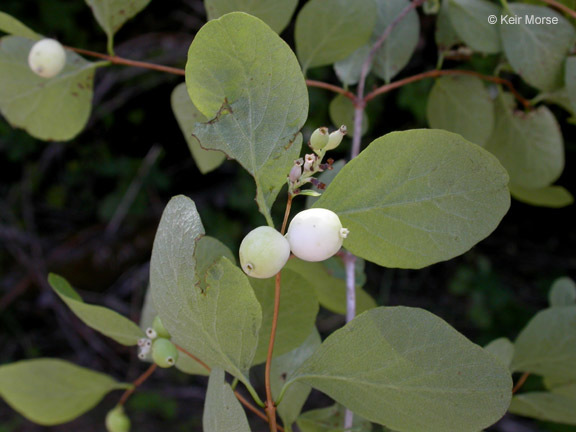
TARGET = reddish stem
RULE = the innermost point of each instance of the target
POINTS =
(137, 383)
(331, 87)
(270, 405)
(561, 7)
(520, 382)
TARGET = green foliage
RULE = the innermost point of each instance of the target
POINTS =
(220, 325)
(102, 319)
(10, 25)
(545, 406)
(387, 195)
(297, 315)
(52, 391)
(469, 20)
(503, 349)
(537, 52)
(113, 14)
(386, 362)
(27, 100)
(562, 293)
(275, 13)
(461, 104)
(548, 196)
(330, 30)
(342, 113)
(187, 116)
(222, 411)
(233, 63)
(330, 419)
(529, 145)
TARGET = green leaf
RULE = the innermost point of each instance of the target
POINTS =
(529, 145)
(207, 252)
(548, 196)
(547, 345)
(503, 349)
(48, 109)
(51, 391)
(469, 18)
(187, 115)
(342, 113)
(562, 292)
(10, 25)
(570, 82)
(330, 30)
(102, 319)
(461, 104)
(295, 396)
(275, 13)
(220, 324)
(537, 52)
(563, 388)
(545, 406)
(222, 411)
(244, 77)
(331, 291)
(326, 177)
(396, 50)
(445, 35)
(409, 370)
(298, 310)
(113, 14)
(418, 197)
(331, 419)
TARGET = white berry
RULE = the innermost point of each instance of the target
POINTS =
(263, 252)
(315, 234)
(47, 58)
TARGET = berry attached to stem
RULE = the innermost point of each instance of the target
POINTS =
(263, 252)
(117, 420)
(164, 353)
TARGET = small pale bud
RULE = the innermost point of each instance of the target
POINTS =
(309, 160)
(295, 173)
(336, 138)
(151, 333)
(319, 138)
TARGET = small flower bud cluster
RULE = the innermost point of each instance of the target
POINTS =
(304, 168)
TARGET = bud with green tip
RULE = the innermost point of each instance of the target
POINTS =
(164, 353)
(263, 252)
(159, 328)
(336, 138)
(47, 58)
(319, 138)
(117, 420)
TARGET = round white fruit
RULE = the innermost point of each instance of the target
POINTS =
(263, 252)
(47, 58)
(315, 234)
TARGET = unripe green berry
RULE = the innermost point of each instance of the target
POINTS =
(315, 234)
(117, 421)
(263, 252)
(319, 138)
(47, 58)
(164, 353)
(159, 328)
(335, 138)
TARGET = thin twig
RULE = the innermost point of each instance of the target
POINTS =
(193, 357)
(520, 382)
(436, 73)
(139, 381)
(561, 7)
(331, 87)
(270, 406)
(123, 61)
(286, 214)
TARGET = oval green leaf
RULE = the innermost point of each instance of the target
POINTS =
(275, 13)
(113, 14)
(503, 349)
(528, 144)
(547, 345)
(220, 323)
(51, 391)
(247, 80)
(409, 370)
(10, 25)
(297, 314)
(341, 111)
(545, 406)
(222, 411)
(445, 35)
(187, 116)
(537, 52)
(330, 30)
(102, 319)
(54, 109)
(418, 197)
(469, 18)
(331, 419)
(562, 292)
(548, 196)
(461, 104)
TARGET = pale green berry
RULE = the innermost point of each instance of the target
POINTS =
(164, 353)
(335, 138)
(315, 234)
(263, 252)
(117, 421)
(319, 138)
(159, 328)
(47, 58)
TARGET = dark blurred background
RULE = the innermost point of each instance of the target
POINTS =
(66, 207)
